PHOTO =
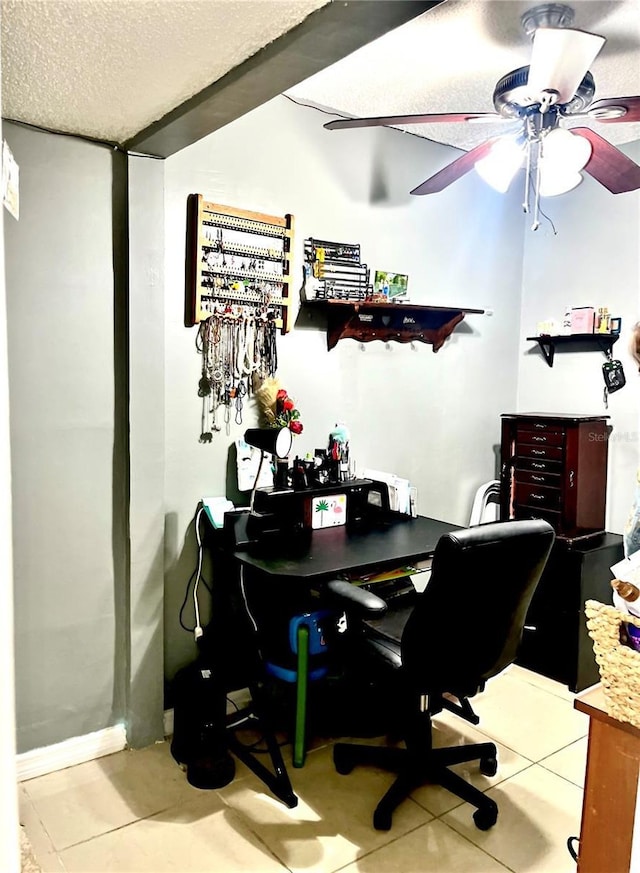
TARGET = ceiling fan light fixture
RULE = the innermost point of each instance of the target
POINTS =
(499, 167)
(554, 183)
(567, 152)
(560, 59)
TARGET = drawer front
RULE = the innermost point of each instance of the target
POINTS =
(540, 452)
(541, 426)
(553, 518)
(539, 465)
(535, 495)
(533, 477)
(540, 438)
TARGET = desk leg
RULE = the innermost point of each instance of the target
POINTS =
(278, 781)
(299, 742)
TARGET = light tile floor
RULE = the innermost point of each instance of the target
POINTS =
(134, 812)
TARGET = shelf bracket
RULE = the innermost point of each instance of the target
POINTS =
(605, 345)
(548, 349)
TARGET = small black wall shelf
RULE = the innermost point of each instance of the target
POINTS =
(401, 322)
(578, 341)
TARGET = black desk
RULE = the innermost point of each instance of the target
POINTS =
(331, 551)
(294, 565)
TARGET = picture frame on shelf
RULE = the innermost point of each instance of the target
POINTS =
(391, 285)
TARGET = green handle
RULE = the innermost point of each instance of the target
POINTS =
(299, 745)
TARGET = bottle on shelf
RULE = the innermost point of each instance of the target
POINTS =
(626, 597)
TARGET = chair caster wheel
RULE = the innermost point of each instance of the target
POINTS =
(342, 759)
(382, 820)
(489, 766)
(485, 818)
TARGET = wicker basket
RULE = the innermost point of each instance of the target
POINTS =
(619, 664)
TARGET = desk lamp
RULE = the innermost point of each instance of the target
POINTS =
(274, 440)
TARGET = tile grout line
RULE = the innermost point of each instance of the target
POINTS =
(391, 842)
(475, 845)
(121, 827)
(35, 812)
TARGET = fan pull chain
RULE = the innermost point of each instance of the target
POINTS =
(527, 178)
(536, 190)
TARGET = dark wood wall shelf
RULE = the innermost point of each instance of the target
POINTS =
(400, 322)
(578, 341)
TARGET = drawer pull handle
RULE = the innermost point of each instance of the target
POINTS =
(538, 452)
(537, 478)
(539, 439)
(530, 627)
(572, 477)
(538, 496)
(538, 466)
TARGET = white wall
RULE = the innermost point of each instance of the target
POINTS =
(60, 316)
(433, 418)
(593, 260)
(9, 850)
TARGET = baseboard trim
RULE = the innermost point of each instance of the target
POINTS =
(76, 750)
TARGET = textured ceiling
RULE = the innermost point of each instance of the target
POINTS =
(450, 58)
(109, 68)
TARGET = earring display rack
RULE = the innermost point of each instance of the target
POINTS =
(332, 271)
(236, 258)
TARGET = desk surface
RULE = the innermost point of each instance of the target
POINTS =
(329, 551)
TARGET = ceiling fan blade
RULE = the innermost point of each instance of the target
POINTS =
(608, 165)
(630, 105)
(455, 170)
(560, 59)
(449, 117)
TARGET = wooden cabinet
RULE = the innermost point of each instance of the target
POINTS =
(607, 838)
(555, 467)
(555, 641)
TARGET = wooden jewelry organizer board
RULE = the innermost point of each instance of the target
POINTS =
(225, 269)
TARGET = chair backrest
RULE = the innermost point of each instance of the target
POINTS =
(486, 503)
(467, 625)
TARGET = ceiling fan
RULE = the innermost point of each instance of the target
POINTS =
(555, 88)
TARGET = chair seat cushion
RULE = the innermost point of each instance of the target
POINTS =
(383, 634)
(390, 626)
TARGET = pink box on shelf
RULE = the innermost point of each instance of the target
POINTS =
(582, 319)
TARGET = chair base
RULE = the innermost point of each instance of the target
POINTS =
(415, 769)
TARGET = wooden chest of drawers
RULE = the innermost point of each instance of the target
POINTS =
(555, 467)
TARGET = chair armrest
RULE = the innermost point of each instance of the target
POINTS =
(354, 599)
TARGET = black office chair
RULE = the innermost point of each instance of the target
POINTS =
(462, 630)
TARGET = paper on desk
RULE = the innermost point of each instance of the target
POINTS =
(628, 569)
(215, 507)
(399, 489)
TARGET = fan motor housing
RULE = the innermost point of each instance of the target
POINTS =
(512, 99)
